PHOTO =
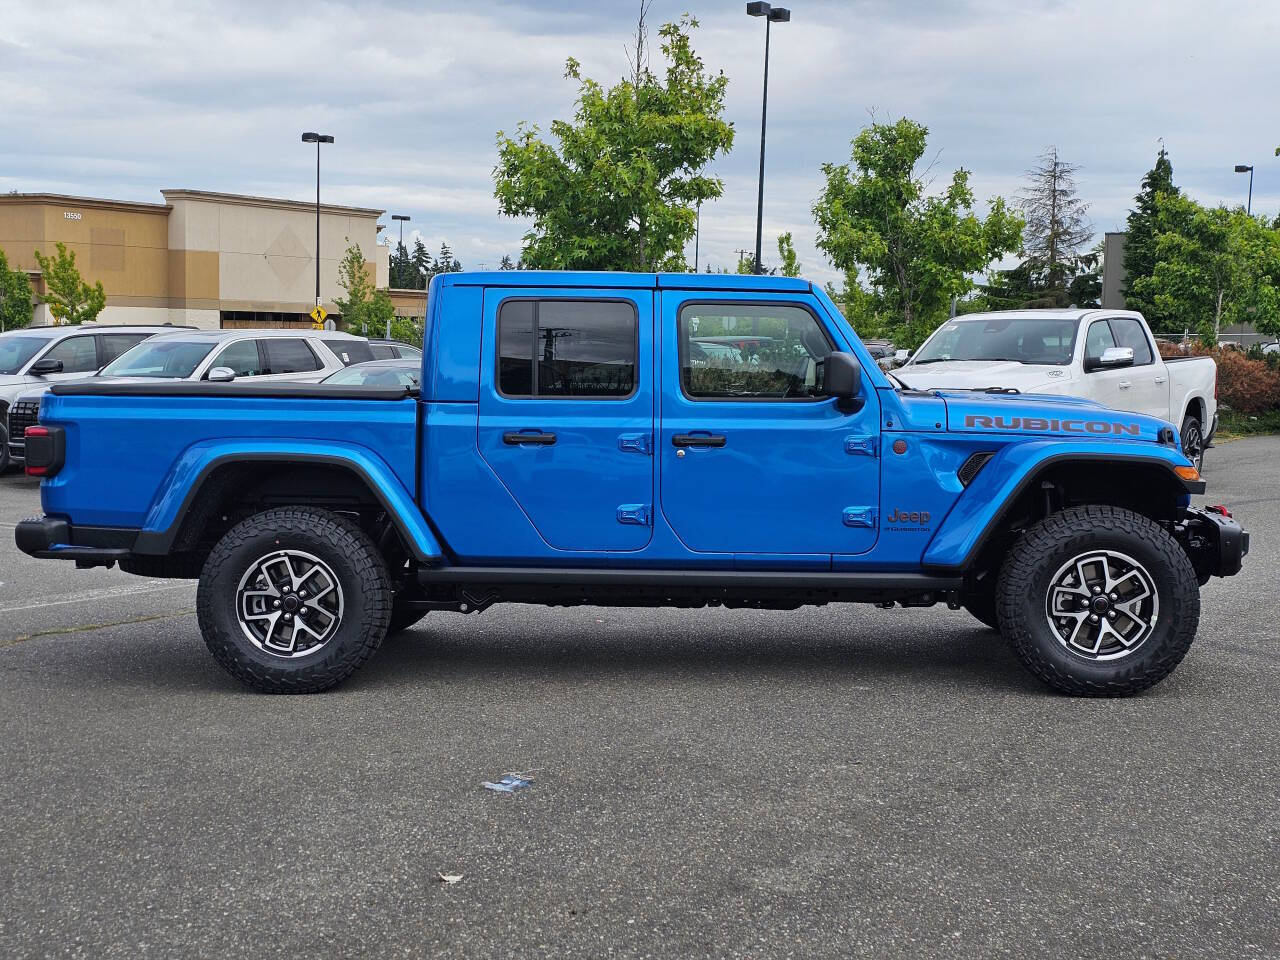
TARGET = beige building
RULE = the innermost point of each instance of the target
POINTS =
(206, 259)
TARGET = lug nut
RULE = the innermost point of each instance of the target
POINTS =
(1115, 597)
(1097, 589)
(1093, 617)
(275, 603)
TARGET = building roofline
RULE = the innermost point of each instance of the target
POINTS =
(273, 202)
(94, 202)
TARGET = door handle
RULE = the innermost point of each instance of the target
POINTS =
(696, 440)
(1159, 379)
(1125, 384)
(537, 439)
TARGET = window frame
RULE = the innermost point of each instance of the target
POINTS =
(681, 350)
(497, 350)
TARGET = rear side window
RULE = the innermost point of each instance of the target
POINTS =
(241, 357)
(78, 354)
(350, 351)
(114, 344)
(1128, 333)
(567, 348)
(382, 351)
(290, 356)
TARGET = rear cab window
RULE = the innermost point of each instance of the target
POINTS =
(567, 348)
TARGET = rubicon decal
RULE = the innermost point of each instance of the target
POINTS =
(1044, 425)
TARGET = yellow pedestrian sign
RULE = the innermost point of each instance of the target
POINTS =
(318, 315)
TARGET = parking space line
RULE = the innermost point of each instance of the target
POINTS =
(105, 594)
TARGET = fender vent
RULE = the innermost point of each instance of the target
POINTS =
(971, 467)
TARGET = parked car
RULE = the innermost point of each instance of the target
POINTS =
(393, 350)
(379, 373)
(191, 354)
(34, 357)
(564, 451)
(1103, 355)
(1272, 347)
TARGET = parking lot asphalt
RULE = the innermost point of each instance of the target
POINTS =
(839, 781)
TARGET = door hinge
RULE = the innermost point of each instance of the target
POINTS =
(860, 445)
(859, 516)
(635, 443)
(638, 514)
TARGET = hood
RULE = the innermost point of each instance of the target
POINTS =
(1046, 415)
(11, 386)
(980, 374)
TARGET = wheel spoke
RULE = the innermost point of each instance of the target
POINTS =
(275, 618)
(1093, 589)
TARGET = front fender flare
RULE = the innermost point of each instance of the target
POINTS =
(980, 510)
(186, 477)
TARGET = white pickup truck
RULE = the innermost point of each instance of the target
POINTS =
(1103, 355)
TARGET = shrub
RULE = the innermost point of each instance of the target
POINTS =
(1246, 385)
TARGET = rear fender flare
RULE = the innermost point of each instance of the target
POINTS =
(188, 474)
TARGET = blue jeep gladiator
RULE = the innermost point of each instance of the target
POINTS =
(633, 439)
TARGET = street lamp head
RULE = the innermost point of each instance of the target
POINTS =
(758, 9)
(780, 15)
(399, 216)
(1243, 168)
(313, 137)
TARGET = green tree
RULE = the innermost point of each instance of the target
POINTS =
(401, 274)
(1214, 267)
(364, 309)
(16, 304)
(1144, 223)
(70, 299)
(917, 251)
(619, 187)
(420, 263)
(446, 262)
(507, 263)
(787, 254)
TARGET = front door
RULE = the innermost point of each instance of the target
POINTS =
(566, 412)
(753, 459)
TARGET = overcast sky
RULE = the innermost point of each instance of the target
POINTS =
(122, 99)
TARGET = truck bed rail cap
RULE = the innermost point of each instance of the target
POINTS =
(230, 391)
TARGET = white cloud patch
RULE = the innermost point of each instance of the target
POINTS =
(126, 98)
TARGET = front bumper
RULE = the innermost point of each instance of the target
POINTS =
(50, 538)
(1216, 543)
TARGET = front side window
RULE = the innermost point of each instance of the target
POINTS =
(176, 359)
(1129, 333)
(567, 348)
(751, 352)
(286, 355)
(242, 357)
(78, 354)
(1098, 340)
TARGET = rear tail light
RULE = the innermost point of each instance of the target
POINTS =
(45, 451)
(1220, 509)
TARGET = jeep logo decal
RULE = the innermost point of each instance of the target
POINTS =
(904, 516)
(1042, 425)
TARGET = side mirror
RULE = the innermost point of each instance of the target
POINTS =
(220, 375)
(42, 368)
(842, 379)
(1112, 359)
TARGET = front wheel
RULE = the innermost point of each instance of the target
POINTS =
(1192, 435)
(293, 600)
(1098, 601)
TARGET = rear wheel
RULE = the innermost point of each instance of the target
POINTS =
(294, 600)
(1098, 601)
(1192, 434)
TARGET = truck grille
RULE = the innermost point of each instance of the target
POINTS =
(22, 414)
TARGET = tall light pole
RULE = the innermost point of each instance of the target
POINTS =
(317, 139)
(1247, 168)
(771, 16)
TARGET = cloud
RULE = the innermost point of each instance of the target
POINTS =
(124, 99)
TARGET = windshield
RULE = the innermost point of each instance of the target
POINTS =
(377, 375)
(175, 359)
(15, 352)
(1035, 340)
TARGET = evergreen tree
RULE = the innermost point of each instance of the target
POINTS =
(401, 269)
(421, 266)
(506, 263)
(1145, 223)
(1056, 222)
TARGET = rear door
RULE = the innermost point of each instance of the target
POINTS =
(566, 412)
(753, 459)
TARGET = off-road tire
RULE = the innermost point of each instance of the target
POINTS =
(1192, 432)
(338, 542)
(1023, 587)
